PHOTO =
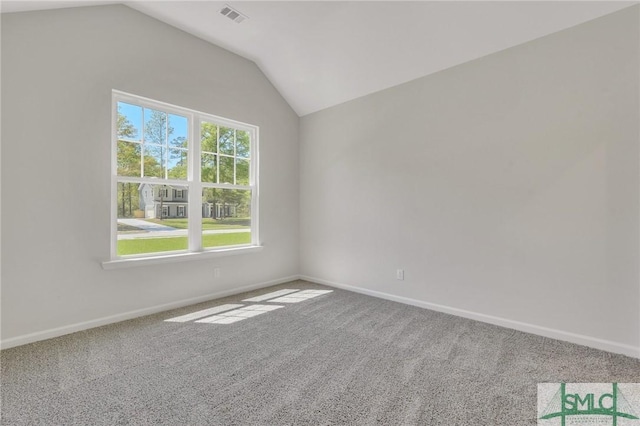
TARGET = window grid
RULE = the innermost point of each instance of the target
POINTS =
(193, 181)
(219, 157)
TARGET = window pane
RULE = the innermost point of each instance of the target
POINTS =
(129, 154)
(177, 164)
(226, 217)
(151, 218)
(154, 161)
(226, 170)
(226, 141)
(209, 168)
(129, 122)
(243, 144)
(128, 200)
(209, 137)
(178, 131)
(242, 172)
(155, 126)
(154, 147)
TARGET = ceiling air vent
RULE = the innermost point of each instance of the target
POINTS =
(232, 14)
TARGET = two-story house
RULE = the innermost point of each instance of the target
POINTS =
(163, 201)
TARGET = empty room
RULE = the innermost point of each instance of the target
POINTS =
(320, 212)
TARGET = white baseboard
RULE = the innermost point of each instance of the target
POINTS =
(68, 329)
(579, 339)
(566, 336)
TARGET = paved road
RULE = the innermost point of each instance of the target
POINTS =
(175, 233)
(152, 230)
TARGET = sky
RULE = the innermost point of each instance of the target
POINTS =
(135, 115)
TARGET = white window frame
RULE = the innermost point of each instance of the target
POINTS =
(193, 184)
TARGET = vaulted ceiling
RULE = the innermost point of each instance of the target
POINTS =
(320, 54)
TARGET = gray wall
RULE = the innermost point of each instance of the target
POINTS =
(58, 70)
(506, 187)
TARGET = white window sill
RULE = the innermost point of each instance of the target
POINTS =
(127, 262)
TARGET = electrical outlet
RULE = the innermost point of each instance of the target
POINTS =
(400, 274)
(216, 272)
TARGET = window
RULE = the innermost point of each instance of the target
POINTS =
(182, 180)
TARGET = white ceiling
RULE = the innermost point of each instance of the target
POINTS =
(320, 54)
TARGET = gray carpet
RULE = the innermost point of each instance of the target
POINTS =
(340, 358)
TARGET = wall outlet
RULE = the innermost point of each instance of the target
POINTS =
(400, 274)
(216, 272)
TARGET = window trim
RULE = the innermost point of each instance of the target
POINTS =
(193, 184)
(127, 262)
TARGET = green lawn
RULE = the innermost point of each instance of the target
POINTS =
(154, 245)
(207, 223)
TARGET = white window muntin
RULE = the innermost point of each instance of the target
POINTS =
(253, 169)
(193, 182)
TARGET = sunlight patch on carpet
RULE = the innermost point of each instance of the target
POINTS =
(300, 296)
(271, 295)
(239, 314)
(204, 313)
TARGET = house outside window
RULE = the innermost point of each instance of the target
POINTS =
(172, 163)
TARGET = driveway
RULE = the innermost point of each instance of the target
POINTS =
(144, 225)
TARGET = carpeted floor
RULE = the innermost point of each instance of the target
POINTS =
(338, 358)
